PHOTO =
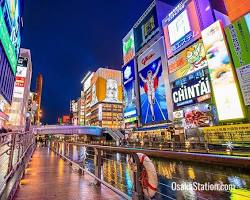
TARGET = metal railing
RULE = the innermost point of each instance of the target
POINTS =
(112, 167)
(16, 148)
(192, 147)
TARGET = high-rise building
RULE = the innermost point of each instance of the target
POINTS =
(21, 91)
(10, 27)
(102, 98)
(39, 86)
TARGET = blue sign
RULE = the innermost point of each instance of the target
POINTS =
(146, 29)
(128, 72)
(194, 88)
(152, 93)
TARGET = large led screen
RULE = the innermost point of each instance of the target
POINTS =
(154, 88)
(181, 27)
(187, 61)
(146, 28)
(224, 86)
(194, 88)
(128, 72)
(238, 36)
(7, 44)
(13, 21)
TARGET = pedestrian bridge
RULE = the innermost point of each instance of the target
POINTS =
(77, 130)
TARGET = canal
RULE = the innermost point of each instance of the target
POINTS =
(117, 172)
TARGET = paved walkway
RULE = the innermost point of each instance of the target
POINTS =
(49, 178)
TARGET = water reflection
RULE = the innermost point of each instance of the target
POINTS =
(116, 171)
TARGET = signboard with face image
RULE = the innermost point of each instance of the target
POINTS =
(226, 94)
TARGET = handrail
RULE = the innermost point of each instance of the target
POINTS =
(95, 177)
(11, 142)
(226, 160)
(137, 190)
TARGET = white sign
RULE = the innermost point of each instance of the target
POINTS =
(179, 27)
(243, 74)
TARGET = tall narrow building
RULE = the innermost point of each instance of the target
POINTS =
(21, 91)
(39, 86)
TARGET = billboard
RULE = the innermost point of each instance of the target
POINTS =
(7, 44)
(154, 86)
(13, 21)
(128, 72)
(187, 61)
(146, 27)
(199, 115)
(182, 26)
(224, 86)
(194, 88)
(238, 36)
(237, 8)
(106, 86)
(128, 47)
(18, 91)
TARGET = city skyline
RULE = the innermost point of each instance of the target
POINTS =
(48, 54)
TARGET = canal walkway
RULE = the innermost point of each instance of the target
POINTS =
(49, 177)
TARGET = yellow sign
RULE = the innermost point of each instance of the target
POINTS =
(236, 128)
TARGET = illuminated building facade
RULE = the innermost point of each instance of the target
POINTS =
(19, 106)
(102, 98)
(172, 76)
(10, 39)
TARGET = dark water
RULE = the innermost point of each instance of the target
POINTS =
(116, 171)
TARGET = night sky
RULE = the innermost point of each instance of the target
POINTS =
(69, 38)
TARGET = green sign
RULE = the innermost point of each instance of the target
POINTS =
(128, 45)
(7, 44)
(238, 37)
(132, 119)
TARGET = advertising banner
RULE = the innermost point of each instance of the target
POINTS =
(181, 27)
(128, 47)
(237, 8)
(7, 44)
(128, 72)
(188, 61)
(191, 89)
(18, 91)
(22, 61)
(146, 28)
(153, 85)
(198, 116)
(238, 35)
(224, 86)
(237, 128)
(106, 86)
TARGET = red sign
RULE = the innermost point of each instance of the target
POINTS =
(20, 81)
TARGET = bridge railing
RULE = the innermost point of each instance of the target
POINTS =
(121, 170)
(16, 149)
